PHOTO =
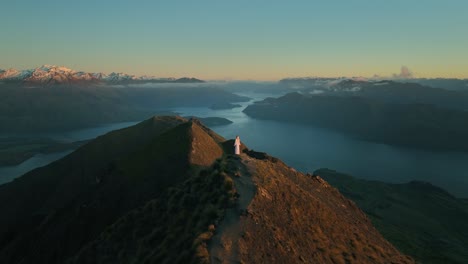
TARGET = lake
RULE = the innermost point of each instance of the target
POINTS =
(308, 148)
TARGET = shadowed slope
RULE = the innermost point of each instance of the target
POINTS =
(53, 211)
(173, 228)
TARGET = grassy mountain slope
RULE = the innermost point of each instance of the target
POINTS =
(169, 190)
(420, 219)
(53, 211)
(297, 218)
(174, 228)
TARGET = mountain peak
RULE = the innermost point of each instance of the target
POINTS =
(205, 147)
(48, 67)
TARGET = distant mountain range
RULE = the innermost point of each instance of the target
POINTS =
(51, 74)
(445, 93)
(341, 83)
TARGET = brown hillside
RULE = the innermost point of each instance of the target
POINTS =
(296, 218)
(204, 148)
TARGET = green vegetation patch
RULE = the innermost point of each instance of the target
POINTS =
(174, 228)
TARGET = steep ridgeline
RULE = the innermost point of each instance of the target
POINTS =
(51, 212)
(297, 218)
(169, 190)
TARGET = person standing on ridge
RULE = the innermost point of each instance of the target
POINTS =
(237, 146)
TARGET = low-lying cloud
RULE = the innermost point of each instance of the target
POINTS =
(167, 85)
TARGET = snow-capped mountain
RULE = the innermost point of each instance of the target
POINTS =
(14, 74)
(51, 74)
(118, 76)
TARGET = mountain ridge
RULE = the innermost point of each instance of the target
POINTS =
(103, 187)
(161, 191)
(52, 74)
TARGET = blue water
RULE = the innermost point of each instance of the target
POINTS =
(307, 149)
(8, 173)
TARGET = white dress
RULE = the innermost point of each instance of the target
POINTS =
(237, 146)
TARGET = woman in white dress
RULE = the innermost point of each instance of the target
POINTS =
(237, 146)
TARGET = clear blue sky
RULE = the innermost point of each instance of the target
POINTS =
(217, 39)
